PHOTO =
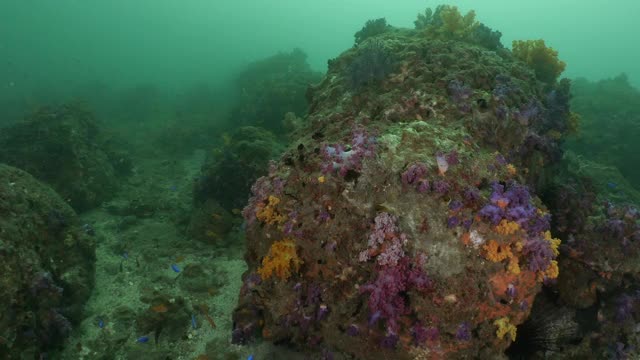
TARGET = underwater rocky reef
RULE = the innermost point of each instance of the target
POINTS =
(434, 195)
(48, 262)
(225, 180)
(65, 147)
(272, 87)
(611, 104)
(406, 221)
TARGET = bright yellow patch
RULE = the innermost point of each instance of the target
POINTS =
(281, 258)
(552, 271)
(518, 246)
(554, 243)
(268, 213)
(514, 266)
(321, 179)
(505, 328)
(511, 169)
(497, 252)
(507, 227)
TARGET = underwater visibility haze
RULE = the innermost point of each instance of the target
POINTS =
(319, 180)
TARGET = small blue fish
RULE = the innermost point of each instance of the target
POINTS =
(100, 323)
(173, 188)
(175, 268)
(142, 339)
(612, 185)
(194, 323)
(125, 255)
(250, 357)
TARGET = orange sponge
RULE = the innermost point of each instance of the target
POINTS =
(281, 258)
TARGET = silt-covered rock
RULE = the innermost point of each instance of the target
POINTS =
(63, 147)
(47, 263)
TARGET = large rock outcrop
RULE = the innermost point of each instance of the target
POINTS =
(47, 261)
(404, 223)
(63, 146)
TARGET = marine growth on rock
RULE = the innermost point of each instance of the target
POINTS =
(402, 210)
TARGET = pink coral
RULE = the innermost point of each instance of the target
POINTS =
(385, 240)
(343, 158)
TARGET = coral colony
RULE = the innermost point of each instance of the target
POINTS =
(368, 243)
